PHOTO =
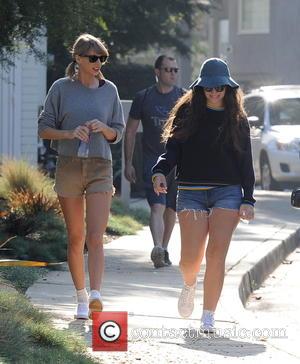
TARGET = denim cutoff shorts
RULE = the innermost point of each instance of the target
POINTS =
(225, 197)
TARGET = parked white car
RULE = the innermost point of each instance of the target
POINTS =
(274, 117)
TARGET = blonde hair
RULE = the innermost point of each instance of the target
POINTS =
(83, 44)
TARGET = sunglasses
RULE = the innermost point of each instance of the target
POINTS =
(217, 89)
(93, 58)
(170, 69)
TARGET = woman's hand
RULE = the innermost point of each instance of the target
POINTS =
(159, 184)
(246, 212)
(96, 126)
(81, 132)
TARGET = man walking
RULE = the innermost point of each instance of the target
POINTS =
(151, 106)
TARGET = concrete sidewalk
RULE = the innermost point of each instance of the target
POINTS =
(150, 296)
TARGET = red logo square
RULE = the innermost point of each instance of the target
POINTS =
(110, 331)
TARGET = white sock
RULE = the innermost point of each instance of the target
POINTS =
(95, 295)
(192, 285)
(208, 312)
(82, 296)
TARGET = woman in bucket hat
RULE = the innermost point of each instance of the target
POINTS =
(208, 138)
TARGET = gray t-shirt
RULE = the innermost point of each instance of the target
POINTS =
(69, 104)
(152, 108)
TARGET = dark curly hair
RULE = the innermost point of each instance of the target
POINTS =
(186, 116)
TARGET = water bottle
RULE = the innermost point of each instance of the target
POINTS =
(83, 149)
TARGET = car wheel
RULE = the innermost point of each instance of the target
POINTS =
(267, 181)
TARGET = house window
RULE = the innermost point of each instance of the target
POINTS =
(254, 16)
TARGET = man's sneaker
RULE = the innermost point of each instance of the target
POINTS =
(167, 259)
(186, 300)
(158, 257)
(208, 322)
(82, 312)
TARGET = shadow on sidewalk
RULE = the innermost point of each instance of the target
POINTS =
(220, 344)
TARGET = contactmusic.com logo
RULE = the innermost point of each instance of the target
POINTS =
(110, 331)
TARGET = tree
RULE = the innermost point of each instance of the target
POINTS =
(21, 20)
(125, 25)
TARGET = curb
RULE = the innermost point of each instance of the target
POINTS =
(268, 257)
(250, 272)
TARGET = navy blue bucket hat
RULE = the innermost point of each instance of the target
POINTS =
(214, 72)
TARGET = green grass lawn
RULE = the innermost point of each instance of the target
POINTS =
(21, 278)
(26, 334)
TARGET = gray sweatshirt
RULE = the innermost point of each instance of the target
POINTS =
(69, 104)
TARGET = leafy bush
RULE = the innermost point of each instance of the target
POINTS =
(26, 212)
(129, 78)
(32, 204)
(30, 214)
(44, 240)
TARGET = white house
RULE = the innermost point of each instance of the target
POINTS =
(22, 93)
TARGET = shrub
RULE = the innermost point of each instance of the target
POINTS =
(44, 240)
(32, 204)
(17, 176)
(36, 226)
(25, 209)
(30, 214)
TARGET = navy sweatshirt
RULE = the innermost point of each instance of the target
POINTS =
(204, 158)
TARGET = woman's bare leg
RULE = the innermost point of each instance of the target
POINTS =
(73, 211)
(193, 230)
(97, 213)
(222, 223)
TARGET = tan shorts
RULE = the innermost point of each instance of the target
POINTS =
(76, 176)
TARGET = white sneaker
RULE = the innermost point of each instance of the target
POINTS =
(208, 322)
(186, 300)
(82, 312)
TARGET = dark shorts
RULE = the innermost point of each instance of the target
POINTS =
(168, 199)
(227, 197)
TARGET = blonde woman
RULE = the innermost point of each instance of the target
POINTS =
(82, 115)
